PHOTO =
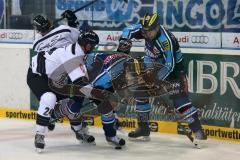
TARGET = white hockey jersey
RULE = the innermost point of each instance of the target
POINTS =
(61, 36)
(68, 60)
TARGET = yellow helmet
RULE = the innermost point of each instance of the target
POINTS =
(150, 21)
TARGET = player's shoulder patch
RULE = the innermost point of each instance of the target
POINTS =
(166, 45)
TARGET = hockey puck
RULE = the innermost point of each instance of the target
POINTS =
(118, 147)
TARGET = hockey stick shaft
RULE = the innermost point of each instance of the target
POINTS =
(79, 9)
(84, 6)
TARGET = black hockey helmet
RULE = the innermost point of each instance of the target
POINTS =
(88, 37)
(150, 22)
(41, 23)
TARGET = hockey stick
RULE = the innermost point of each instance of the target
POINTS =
(79, 9)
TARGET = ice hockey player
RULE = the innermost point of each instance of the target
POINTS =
(161, 47)
(52, 37)
(38, 81)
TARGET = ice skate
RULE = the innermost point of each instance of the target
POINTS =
(39, 142)
(199, 136)
(115, 141)
(83, 135)
(142, 133)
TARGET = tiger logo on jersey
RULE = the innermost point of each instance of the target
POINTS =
(166, 45)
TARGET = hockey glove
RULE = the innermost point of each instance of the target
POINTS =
(125, 45)
(71, 18)
(63, 109)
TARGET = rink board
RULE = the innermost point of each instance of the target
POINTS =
(214, 132)
(213, 84)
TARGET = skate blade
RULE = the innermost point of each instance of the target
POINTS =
(115, 145)
(140, 139)
(88, 143)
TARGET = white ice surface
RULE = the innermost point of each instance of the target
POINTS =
(16, 143)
